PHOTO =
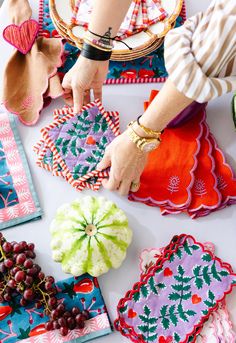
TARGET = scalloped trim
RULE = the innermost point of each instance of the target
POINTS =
(194, 212)
(168, 251)
(41, 148)
(152, 202)
(44, 89)
(69, 178)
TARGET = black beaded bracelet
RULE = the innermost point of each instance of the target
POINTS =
(95, 54)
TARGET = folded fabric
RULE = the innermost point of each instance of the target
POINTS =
(169, 182)
(26, 96)
(172, 301)
(73, 145)
(27, 324)
(193, 176)
(18, 200)
(218, 328)
(48, 161)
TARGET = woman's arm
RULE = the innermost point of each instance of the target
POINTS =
(200, 58)
(87, 74)
(108, 14)
(126, 160)
(168, 103)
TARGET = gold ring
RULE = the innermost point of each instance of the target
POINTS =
(87, 90)
(135, 184)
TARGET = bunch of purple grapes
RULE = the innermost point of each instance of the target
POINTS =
(65, 320)
(20, 276)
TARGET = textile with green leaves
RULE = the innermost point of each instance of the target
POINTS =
(170, 303)
(48, 158)
(80, 140)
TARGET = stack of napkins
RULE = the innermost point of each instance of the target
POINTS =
(218, 328)
(179, 297)
(188, 172)
(73, 144)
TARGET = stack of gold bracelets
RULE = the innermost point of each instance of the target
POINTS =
(145, 144)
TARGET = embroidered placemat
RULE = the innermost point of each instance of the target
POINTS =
(176, 296)
(74, 144)
(143, 70)
(218, 328)
(18, 199)
(27, 324)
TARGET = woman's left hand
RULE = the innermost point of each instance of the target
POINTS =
(127, 163)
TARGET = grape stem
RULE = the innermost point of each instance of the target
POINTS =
(44, 298)
(3, 257)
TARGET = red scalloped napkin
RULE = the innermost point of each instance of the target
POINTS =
(172, 301)
(188, 172)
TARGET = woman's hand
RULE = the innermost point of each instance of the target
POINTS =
(127, 163)
(84, 75)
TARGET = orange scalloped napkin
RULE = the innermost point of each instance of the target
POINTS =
(164, 181)
(181, 186)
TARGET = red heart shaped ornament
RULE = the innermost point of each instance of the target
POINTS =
(131, 313)
(22, 37)
(163, 339)
(196, 299)
(168, 272)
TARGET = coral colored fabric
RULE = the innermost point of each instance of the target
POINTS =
(205, 194)
(164, 181)
(212, 186)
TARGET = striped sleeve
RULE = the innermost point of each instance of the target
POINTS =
(200, 56)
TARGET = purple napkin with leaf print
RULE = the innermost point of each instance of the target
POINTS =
(172, 301)
(74, 144)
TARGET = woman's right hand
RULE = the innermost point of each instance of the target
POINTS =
(86, 74)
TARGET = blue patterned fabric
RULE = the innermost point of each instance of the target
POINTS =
(8, 196)
(150, 67)
(18, 323)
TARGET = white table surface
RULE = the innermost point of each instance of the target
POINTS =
(149, 227)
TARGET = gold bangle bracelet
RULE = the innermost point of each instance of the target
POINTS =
(147, 130)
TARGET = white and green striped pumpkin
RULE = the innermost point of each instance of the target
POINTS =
(90, 235)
